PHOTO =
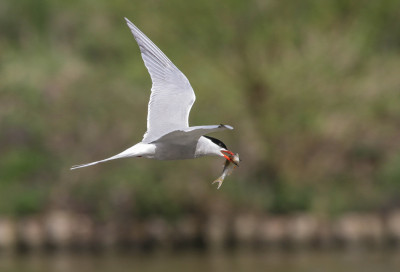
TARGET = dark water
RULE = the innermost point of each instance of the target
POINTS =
(354, 261)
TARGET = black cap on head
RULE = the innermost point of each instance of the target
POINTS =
(217, 142)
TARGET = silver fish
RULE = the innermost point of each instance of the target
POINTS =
(228, 168)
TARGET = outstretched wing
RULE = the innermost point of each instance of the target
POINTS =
(171, 96)
(191, 134)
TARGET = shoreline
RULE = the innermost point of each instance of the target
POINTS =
(60, 229)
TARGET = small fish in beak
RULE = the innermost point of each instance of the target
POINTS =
(230, 156)
(232, 161)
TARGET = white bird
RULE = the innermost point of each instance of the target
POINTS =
(168, 135)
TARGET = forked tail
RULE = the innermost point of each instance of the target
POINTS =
(96, 162)
(137, 150)
(87, 164)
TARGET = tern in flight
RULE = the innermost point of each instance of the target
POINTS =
(168, 135)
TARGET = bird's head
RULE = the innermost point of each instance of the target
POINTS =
(229, 155)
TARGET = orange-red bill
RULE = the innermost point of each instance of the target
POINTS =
(227, 154)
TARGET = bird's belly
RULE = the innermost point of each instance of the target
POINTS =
(174, 152)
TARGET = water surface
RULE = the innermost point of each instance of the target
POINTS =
(326, 261)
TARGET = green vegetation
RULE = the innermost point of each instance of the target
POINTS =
(311, 87)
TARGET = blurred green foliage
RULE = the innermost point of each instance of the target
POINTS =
(311, 87)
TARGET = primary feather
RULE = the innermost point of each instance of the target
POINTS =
(171, 97)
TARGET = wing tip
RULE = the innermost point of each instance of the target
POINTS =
(130, 24)
(226, 126)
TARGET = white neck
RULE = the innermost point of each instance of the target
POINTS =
(205, 147)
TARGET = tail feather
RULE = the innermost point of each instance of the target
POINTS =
(96, 162)
(137, 150)
(86, 164)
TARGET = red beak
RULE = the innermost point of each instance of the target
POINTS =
(227, 154)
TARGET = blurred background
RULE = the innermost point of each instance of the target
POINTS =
(312, 89)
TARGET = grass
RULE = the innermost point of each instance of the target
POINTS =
(311, 89)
